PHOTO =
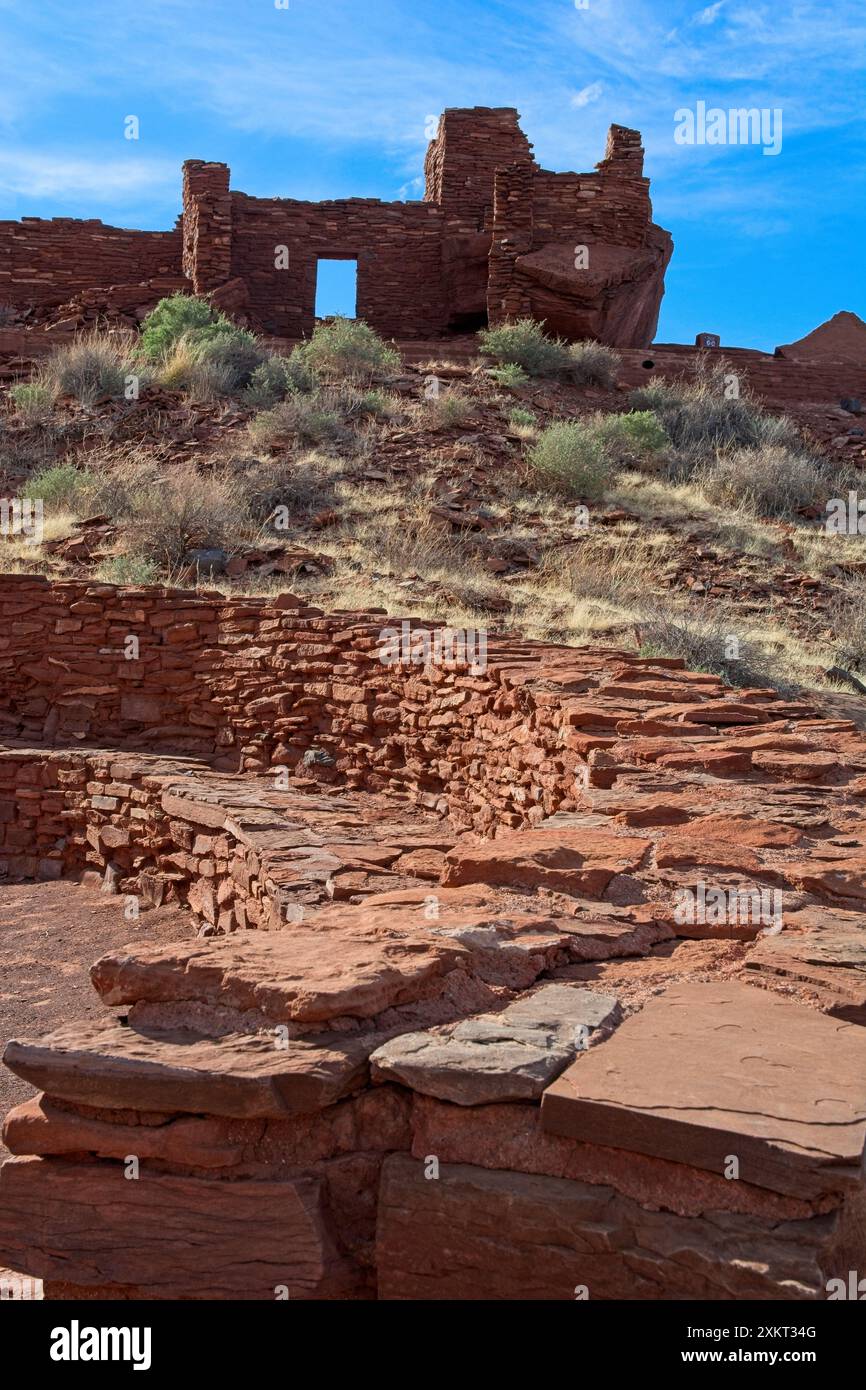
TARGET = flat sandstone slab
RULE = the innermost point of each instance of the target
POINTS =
(573, 861)
(170, 1237)
(246, 1077)
(706, 1072)
(508, 1056)
(296, 975)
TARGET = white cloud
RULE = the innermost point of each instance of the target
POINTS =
(587, 94)
(709, 15)
(24, 173)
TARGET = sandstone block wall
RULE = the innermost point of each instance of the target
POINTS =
(424, 268)
(602, 784)
(44, 262)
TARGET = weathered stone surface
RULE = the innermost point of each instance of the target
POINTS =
(299, 975)
(170, 1237)
(106, 1064)
(709, 1071)
(834, 876)
(371, 1122)
(509, 1137)
(478, 1234)
(512, 1055)
(825, 951)
(581, 862)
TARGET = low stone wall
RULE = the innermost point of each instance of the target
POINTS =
(496, 1064)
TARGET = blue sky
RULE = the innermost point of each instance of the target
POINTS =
(330, 98)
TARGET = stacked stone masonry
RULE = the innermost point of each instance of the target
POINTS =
(442, 1030)
(494, 235)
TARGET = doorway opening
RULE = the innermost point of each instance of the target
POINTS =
(336, 288)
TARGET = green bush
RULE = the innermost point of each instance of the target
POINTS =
(232, 350)
(701, 416)
(571, 457)
(32, 399)
(346, 348)
(60, 486)
(128, 569)
(267, 384)
(172, 318)
(525, 344)
(633, 438)
(519, 418)
(508, 374)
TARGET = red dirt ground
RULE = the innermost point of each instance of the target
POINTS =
(50, 935)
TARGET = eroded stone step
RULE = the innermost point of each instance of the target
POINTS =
(116, 1067)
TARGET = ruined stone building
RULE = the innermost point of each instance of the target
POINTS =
(494, 237)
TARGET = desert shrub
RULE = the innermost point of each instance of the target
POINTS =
(373, 404)
(208, 363)
(47, 436)
(183, 512)
(571, 457)
(699, 415)
(92, 367)
(128, 569)
(305, 487)
(509, 374)
(346, 348)
(578, 456)
(447, 410)
(329, 415)
(235, 350)
(207, 381)
(171, 319)
(177, 369)
(707, 640)
(33, 399)
(848, 621)
(780, 431)
(307, 418)
(268, 384)
(592, 364)
(769, 480)
(525, 344)
(519, 418)
(61, 486)
(300, 375)
(632, 438)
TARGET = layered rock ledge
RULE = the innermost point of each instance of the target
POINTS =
(541, 981)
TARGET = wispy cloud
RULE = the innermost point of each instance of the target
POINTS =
(709, 15)
(94, 178)
(587, 94)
